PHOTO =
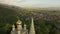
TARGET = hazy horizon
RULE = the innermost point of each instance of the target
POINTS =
(32, 3)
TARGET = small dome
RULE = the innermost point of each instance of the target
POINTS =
(24, 24)
(19, 22)
(13, 25)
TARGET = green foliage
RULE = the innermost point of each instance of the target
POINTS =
(42, 26)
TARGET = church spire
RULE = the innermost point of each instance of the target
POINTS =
(32, 29)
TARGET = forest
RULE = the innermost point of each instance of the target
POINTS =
(46, 20)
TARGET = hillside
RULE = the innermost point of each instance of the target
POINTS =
(6, 16)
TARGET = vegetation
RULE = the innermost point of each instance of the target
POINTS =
(46, 21)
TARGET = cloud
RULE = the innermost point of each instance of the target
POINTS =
(32, 3)
(9, 1)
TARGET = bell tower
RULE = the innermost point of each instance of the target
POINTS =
(13, 27)
(19, 26)
(24, 26)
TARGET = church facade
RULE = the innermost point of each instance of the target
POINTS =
(23, 30)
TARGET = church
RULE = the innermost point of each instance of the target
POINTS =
(23, 30)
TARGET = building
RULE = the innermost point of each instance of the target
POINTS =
(20, 30)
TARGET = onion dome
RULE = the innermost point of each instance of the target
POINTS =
(19, 22)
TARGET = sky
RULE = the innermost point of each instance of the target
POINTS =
(32, 3)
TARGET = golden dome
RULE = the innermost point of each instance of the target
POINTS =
(19, 22)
